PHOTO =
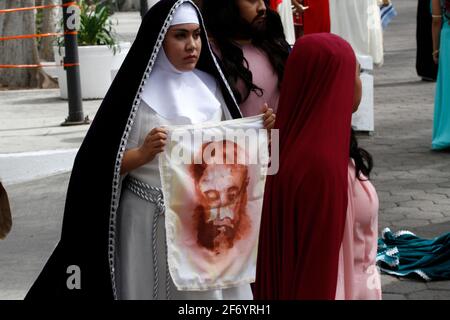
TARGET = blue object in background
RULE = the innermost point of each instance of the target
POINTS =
(388, 12)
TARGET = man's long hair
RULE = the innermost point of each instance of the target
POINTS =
(223, 23)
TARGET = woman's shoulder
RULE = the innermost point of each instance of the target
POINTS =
(145, 113)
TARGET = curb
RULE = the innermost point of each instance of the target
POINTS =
(27, 166)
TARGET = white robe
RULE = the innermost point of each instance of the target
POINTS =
(359, 22)
(286, 15)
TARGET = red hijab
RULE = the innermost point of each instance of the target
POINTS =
(305, 203)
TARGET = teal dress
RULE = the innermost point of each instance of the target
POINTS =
(404, 254)
(441, 125)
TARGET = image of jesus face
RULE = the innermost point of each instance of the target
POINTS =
(222, 198)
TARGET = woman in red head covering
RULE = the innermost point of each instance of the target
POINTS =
(306, 201)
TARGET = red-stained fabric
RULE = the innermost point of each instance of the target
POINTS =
(317, 17)
(305, 203)
(274, 4)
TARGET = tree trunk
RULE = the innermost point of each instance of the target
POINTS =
(2, 6)
(50, 20)
(21, 51)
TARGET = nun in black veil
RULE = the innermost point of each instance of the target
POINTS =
(113, 226)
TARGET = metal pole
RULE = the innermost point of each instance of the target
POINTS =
(76, 115)
(144, 8)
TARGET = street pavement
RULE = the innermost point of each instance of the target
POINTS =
(413, 182)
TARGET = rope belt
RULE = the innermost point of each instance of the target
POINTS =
(153, 195)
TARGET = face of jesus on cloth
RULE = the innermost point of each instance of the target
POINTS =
(221, 187)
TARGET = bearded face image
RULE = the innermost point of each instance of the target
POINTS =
(220, 216)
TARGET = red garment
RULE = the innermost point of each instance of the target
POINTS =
(317, 18)
(275, 3)
(305, 203)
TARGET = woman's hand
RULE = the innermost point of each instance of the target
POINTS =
(154, 143)
(269, 117)
(436, 56)
(298, 7)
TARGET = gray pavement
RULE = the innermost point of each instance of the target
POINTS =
(413, 183)
(37, 208)
(31, 121)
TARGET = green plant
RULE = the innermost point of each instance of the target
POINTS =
(96, 26)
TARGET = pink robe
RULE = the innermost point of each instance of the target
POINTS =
(265, 77)
(358, 277)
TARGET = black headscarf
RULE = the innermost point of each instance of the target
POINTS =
(88, 231)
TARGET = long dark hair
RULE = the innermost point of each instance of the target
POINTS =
(363, 159)
(223, 23)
